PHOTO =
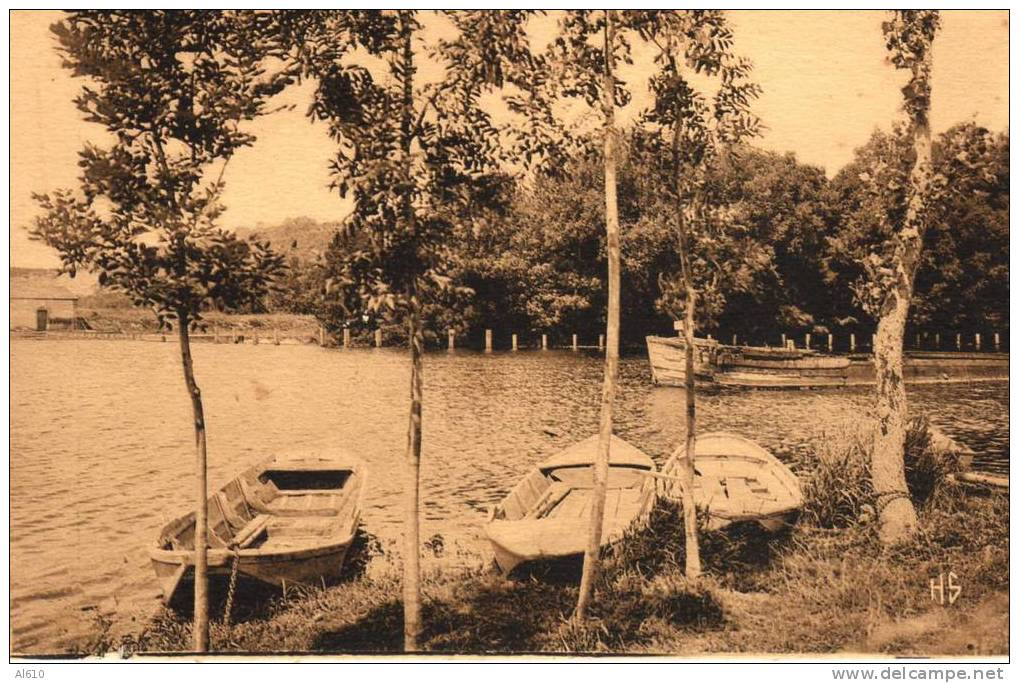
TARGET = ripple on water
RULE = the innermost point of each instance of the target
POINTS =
(101, 445)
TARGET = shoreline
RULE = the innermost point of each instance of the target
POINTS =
(826, 578)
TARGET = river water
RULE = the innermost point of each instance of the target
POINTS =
(101, 445)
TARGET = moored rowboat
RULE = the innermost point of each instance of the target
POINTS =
(547, 514)
(287, 520)
(736, 480)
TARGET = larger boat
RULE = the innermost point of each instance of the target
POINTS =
(745, 366)
(776, 367)
(547, 515)
(288, 520)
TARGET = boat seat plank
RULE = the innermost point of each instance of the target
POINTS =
(307, 505)
(250, 533)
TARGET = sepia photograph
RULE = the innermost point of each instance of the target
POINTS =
(503, 334)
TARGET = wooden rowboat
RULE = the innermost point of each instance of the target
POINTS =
(736, 480)
(287, 520)
(547, 514)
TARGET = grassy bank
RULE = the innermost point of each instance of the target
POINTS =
(139, 321)
(823, 586)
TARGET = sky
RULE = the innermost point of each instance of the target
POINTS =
(826, 88)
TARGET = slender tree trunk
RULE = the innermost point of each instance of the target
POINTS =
(897, 514)
(412, 562)
(412, 533)
(201, 623)
(686, 466)
(601, 465)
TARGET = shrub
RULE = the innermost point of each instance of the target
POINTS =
(839, 487)
(838, 493)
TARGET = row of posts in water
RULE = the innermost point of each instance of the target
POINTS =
(787, 341)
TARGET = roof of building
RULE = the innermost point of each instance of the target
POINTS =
(39, 288)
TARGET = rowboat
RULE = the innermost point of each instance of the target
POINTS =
(735, 480)
(289, 519)
(547, 514)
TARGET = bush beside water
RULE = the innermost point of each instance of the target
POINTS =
(825, 585)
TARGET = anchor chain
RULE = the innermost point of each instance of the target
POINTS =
(228, 608)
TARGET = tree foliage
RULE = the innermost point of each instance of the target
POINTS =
(173, 89)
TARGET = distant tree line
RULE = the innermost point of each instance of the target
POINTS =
(528, 254)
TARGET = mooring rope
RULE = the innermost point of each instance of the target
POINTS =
(884, 499)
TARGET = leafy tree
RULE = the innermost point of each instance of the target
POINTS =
(891, 272)
(581, 62)
(962, 279)
(409, 151)
(697, 129)
(172, 88)
(779, 212)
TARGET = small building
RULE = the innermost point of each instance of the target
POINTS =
(41, 304)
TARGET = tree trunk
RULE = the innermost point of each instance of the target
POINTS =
(201, 621)
(412, 532)
(412, 561)
(686, 466)
(897, 514)
(592, 552)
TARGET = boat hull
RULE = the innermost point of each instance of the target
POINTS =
(310, 567)
(764, 368)
(668, 360)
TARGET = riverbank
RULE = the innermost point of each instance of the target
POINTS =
(824, 587)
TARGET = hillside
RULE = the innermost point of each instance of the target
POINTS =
(302, 237)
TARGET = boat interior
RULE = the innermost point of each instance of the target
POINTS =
(273, 510)
(563, 493)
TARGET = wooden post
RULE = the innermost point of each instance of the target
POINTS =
(783, 341)
(937, 341)
(256, 336)
(976, 341)
(831, 344)
(997, 342)
(321, 335)
(276, 336)
(852, 342)
(806, 341)
(790, 344)
(514, 341)
(574, 342)
(601, 342)
(378, 337)
(346, 337)
(450, 339)
(488, 341)
(734, 340)
(917, 341)
(215, 334)
(544, 342)
(958, 341)
(164, 336)
(873, 342)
